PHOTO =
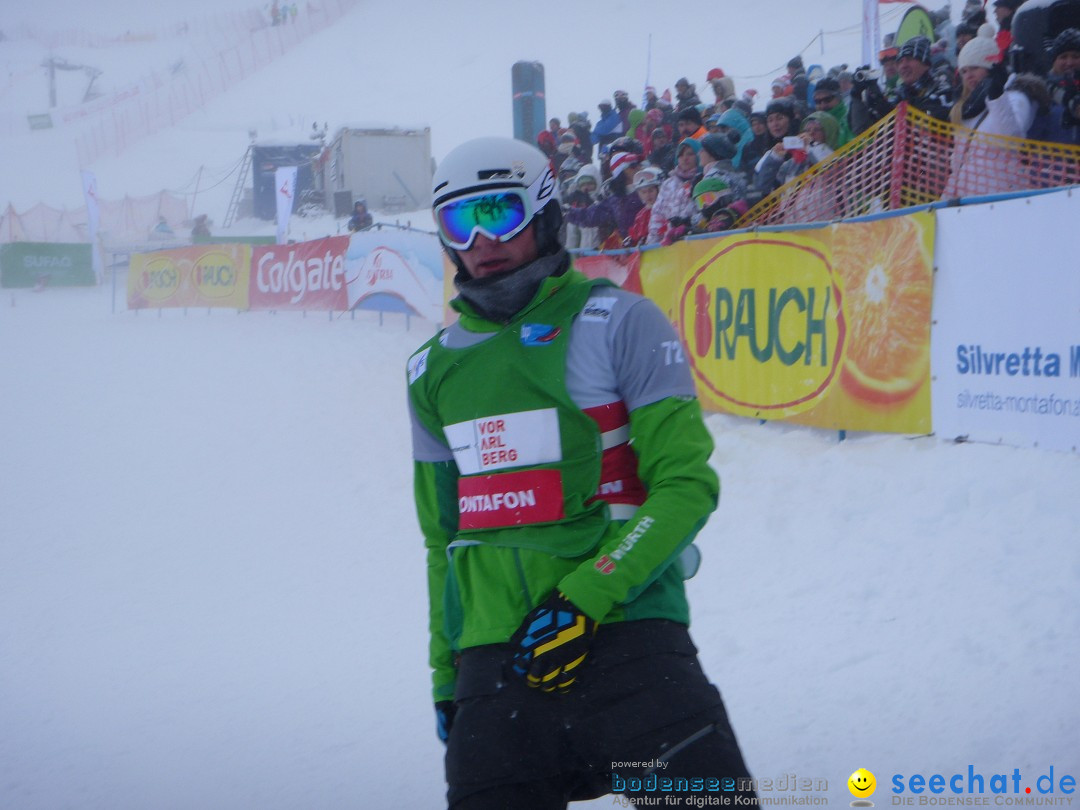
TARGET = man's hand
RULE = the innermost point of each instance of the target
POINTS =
(444, 718)
(552, 643)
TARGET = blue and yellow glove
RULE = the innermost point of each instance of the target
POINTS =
(552, 643)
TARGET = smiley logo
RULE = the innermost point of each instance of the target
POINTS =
(862, 783)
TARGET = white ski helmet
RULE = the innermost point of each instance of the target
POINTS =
(494, 163)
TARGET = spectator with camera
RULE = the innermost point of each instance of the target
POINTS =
(918, 86)
(797, 153)
(1063, 82)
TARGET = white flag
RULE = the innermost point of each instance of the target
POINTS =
(93, 221)
(285, 181)
(871, 33)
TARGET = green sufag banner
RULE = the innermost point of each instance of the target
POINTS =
(30, 264)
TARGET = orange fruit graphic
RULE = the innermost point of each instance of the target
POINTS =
(888, 284)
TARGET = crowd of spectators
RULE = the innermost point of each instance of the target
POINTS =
(682, 164)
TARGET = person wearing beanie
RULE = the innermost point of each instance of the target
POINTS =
(609, 127)
(614, 212)
(624, 105)
(685, 95)
(822, 135)
(1063, 85)
(918, 86)
(1064, 53)
(736, 126)
(715, 157)
(638, 129)
(827, 98)
(561, 474)
(763, 141)
(674, 200)
(580, 126)
(978, 58)
(890, 70)
(717, 208)
(662, 154)
(1003, 13)
(582, 194)
(781, 87)
(800, 83)
(965, 32)
(723, 88)
(647, 187)
(779, 165)
(688, 124)
(780, 120)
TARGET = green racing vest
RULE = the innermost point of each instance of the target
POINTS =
(526, 453)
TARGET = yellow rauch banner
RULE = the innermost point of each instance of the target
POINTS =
(201, 275)
(827, 327)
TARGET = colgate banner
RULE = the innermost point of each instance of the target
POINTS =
(305, 275)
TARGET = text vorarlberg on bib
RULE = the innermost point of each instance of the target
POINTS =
(523, 439)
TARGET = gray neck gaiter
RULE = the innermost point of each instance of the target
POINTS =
(501, 296)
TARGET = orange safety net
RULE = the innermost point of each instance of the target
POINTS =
(909, 158)
(127, 221)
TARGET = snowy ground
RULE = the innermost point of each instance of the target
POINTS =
(212, 589)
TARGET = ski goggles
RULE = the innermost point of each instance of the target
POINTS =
(707, 198)
(498, 214)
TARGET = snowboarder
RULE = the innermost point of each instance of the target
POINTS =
(561, 475)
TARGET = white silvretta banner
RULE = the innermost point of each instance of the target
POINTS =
(1005, 347)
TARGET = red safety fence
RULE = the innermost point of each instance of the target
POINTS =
(908, 159)
(222, 54)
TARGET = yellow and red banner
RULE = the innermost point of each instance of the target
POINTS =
(826, 327)
(197, 276)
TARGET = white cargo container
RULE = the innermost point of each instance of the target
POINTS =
(390, 168)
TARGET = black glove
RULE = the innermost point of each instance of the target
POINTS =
(444, 718)
(999, 74)
(552, 643)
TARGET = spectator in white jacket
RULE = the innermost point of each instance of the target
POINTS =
(992, 103)
(984, 102)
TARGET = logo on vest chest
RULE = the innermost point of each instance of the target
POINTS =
(539, 334)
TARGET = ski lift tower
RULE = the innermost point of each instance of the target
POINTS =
(53, 64)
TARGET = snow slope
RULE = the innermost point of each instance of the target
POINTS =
(212, 584)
